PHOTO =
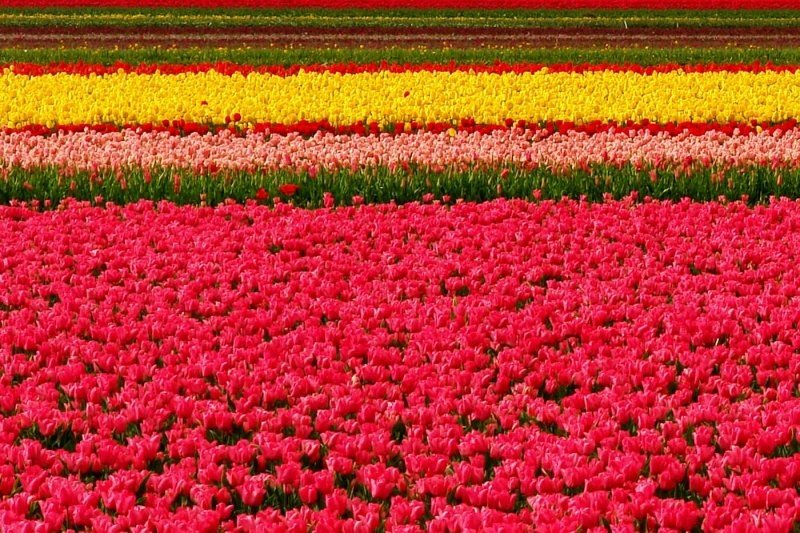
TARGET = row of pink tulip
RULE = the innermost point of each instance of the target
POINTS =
(569, 365)
(94, 150)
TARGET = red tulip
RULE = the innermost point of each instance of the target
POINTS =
(288, 189)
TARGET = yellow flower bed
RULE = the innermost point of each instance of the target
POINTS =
(210, 97)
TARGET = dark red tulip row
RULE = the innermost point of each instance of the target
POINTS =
(181, 127)
(37, 69)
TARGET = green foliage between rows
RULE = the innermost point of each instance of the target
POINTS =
(541, 18)
(380, 185)
(305, 56)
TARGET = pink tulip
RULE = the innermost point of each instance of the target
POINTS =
(509, 364)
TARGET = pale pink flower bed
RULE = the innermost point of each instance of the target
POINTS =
(568, 365)
(94, 150)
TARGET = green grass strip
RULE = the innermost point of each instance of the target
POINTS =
(306, 56)
(381, 185)
(400, 18)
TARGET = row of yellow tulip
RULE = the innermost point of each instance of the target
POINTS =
(391, 97)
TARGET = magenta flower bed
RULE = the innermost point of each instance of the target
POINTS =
(419, 367)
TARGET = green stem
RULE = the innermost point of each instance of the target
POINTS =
(381, 185)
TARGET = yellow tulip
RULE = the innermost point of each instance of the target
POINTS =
(381, 96)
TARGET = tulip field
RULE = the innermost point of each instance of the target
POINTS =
(444, 265)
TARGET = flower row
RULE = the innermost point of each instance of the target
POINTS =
(93, 150)
(465, 125)
(570, 365)
(496, 67)
(390, 97)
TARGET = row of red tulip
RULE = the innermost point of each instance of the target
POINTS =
(228, 68)
(468, 125)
